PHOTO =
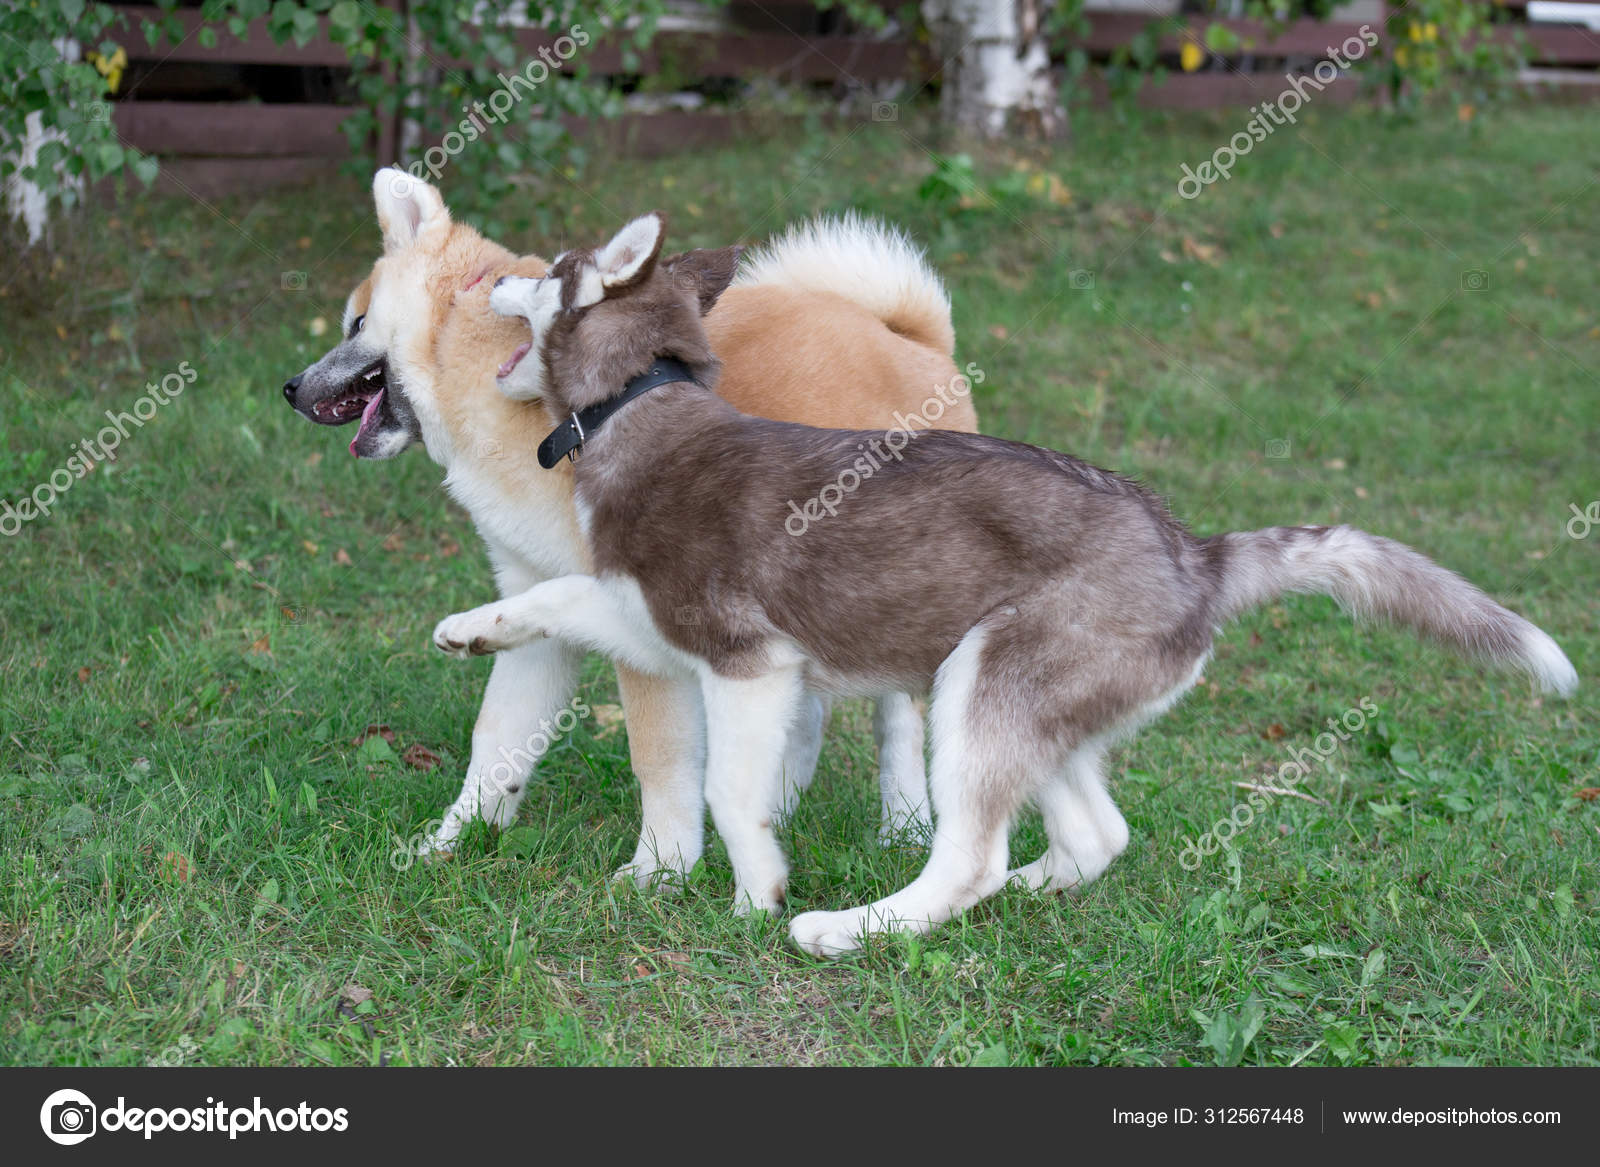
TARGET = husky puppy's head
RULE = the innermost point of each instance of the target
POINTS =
(384, 371)
(600, 316)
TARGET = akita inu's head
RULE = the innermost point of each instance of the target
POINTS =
(406, 353)
(601, 315)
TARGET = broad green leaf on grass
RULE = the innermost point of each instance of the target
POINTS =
(1316, 950)
(232, 1036)
(323, 1051)
(522, 842)
(272, 787)
(992, 1055)
(1344, 1043)
(1564, 899)
(266, 896)
(73, 822)
(1372, 968)
(374, 751)
(71, 765)
(1228, 1035)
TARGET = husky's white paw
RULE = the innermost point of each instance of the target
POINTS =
(479, 632)
(827, 934)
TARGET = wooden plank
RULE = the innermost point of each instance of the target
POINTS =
(1222, 90)
(232, 129)
(779, 54)
(210, 178)
(1302, 38)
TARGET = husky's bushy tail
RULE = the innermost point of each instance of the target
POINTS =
(1372, 576)
(868, 262)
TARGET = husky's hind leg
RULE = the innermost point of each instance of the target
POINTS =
(747, 725)
(902, 776)
(977, 785)
(1085, 828)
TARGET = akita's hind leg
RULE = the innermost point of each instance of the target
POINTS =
(976, 786)
(1085, 828)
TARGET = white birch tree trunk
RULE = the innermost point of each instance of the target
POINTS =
(996, 65)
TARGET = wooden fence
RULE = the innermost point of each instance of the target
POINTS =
(212, 146)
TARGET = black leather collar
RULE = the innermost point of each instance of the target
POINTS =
(567, 438)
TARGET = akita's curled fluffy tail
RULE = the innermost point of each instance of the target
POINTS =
(866, 261)
(1372, 576)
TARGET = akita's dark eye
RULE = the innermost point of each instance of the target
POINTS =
(355, 325)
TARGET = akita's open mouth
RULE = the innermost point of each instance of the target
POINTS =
(514, 359)
(358, 401)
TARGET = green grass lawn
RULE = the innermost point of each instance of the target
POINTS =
(198, 866)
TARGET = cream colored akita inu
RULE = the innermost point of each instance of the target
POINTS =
(840, 323)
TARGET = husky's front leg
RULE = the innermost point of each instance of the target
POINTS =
(579, 609)
(527, 690)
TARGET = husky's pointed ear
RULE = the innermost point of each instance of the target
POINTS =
(409, 209)
(705, 272)
(632, 251)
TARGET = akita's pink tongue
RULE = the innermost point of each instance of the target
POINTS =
(511, 361)
(367, 415)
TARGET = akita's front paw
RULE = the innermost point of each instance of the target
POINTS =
(478, 633)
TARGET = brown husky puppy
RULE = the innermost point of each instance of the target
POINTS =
(840, 322)
(1050, 607)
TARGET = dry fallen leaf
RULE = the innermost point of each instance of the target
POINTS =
(393, 541)
(83, 675)
(1588, 793)
(1274, 732)
(353, 994)
(176, 866)
(382, 731)
(420, 757)
(342, 557)
(1204, 252)
(999, 331)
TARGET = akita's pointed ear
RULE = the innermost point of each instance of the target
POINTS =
(632, 251)
(408, 208)
(707, 272)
